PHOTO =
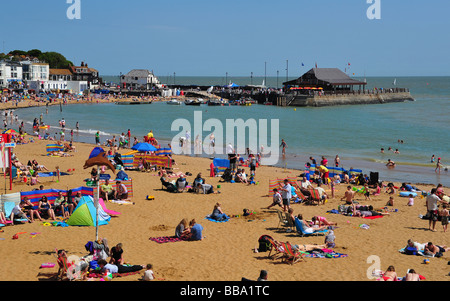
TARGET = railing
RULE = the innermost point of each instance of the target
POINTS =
(352, 92)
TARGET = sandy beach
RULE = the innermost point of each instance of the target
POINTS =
(227, 251)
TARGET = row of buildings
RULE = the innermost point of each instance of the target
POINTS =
(31, 74)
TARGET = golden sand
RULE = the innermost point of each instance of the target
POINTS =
(226, 253)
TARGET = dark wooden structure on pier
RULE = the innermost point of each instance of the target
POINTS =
(325, 79)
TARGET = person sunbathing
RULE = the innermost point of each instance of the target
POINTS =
(307, 228)
(307, 248)
(320, 220)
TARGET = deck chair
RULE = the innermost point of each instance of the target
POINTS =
(290, 255)
(315, 197)
(289, 222)
(299, 228)
(276, 249)
(63, 266)
(8, 207)
(281, 219)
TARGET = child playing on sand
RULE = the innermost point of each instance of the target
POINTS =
(390, 188)
(390, 202)
(444, 214)
(411, 200)
(148, 274)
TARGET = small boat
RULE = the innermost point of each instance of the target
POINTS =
(190, 102)
(134, 102)
(215, 102)
(174, 102)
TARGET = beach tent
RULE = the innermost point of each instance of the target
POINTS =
(85, 214)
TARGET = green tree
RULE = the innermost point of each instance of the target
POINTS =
(55, 60)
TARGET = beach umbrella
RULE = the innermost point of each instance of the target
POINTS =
(10, 131)
(144, 147)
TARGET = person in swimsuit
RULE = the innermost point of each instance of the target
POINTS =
(307, 228)
(390, 274)
(320, 220)
(44, 208)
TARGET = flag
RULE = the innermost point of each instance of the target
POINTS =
(316, 65)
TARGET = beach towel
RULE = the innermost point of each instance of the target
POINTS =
(325, 253)
(110, 212)
(208, 217)
(372, 217)
(166, 239)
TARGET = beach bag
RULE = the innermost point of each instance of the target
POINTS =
(264, 243)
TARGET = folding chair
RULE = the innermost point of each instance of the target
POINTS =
(291, 255)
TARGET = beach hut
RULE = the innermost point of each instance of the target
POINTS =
(85, 214)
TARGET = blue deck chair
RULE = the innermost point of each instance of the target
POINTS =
(8, 207)
(299, 228)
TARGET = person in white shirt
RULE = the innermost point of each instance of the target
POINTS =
(18, 213)
(230, 149)
(305, 183)
(148, 274)
(277, 199)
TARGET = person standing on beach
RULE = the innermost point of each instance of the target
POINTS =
(97, 138)
(129, 137)
(432, 209)
(286, 193)
(77, 126)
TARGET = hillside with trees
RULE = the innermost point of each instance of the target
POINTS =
(54, 59)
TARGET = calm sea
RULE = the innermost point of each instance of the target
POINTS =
(355, 132)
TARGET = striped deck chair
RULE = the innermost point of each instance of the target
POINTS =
(275, 248)
(315, 197)
(54, 148)
(291, 255)
(274, 184)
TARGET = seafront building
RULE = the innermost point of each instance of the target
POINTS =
(36, 76)
(139, 79)
(11, 75)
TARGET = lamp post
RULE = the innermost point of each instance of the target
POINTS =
(278, 72)
(265, 73)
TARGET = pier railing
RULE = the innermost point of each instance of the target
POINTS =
(353, 92)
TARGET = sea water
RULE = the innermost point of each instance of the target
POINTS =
(354, 132)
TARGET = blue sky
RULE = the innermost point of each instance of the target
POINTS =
(213, 37)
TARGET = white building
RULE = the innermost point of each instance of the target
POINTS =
(11, 74)
(35, 71)
(69, 86)
(139, 79)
